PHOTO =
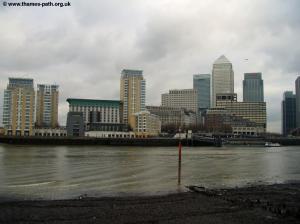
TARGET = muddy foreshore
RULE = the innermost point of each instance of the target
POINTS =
(279, 203)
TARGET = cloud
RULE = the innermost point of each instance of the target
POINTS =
(84, 47)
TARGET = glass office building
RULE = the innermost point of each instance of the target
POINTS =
(297, 89)
(201, 83)
(253, 88)
(288, 108)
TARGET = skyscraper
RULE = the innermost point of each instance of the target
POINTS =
(253, 88)
(47, 106)
(288, 108)
(297, 89)
(19, 106)
(201, 83)
(222, 78)
(132, 93)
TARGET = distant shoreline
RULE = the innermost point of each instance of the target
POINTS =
(145, 142)
(36, 140)
(277, 203)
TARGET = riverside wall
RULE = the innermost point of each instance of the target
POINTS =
(34, 140)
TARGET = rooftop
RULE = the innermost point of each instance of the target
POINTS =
(20, 79)
(130, 73)
(253, 75)
(48, 85)
(201, 76)
(93, 102)
(288, 94)
(181, 90)
(222, 60)
(20, 82)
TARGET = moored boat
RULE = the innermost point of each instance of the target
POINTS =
(271, 144)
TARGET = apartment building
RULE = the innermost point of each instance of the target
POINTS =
(19, 107)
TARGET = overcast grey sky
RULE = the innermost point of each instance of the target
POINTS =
(84, 47)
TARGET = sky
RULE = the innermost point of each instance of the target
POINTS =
(84, 47)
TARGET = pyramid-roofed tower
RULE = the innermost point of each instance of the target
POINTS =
(222, 78)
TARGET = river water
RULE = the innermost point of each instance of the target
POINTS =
(47, 172)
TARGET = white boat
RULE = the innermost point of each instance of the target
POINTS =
(271, 144)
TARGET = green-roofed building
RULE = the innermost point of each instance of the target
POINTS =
(93, 103)
(99, 115)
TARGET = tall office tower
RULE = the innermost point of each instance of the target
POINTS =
(253, 88)
(18, 107)
(201, 83)
(222, 78)
(47, 106)
(297, 89)
(181, 98)
(132, 93)
(288, 108)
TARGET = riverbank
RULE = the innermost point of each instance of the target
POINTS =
(145, 142)
(258, 204)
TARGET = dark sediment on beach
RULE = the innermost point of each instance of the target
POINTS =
(278, 203)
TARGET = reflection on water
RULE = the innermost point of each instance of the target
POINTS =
(67, 172)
